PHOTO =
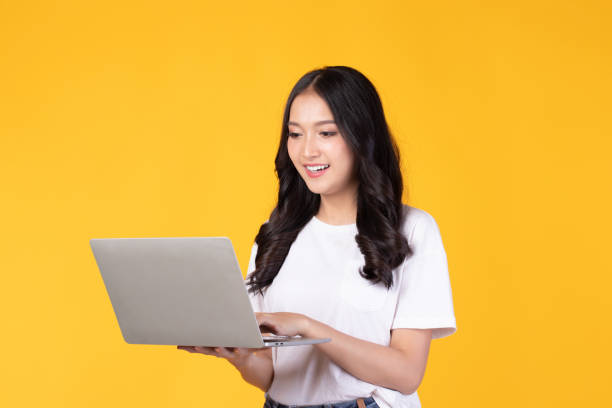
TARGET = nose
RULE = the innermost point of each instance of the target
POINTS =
(310, 148)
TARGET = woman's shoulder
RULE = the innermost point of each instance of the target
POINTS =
(417, 223)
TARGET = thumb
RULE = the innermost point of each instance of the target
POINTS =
(260, 317)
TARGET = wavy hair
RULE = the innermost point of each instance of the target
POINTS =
(358, 113)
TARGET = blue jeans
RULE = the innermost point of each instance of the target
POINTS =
(369, 403)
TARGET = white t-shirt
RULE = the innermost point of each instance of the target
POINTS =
(320, 278)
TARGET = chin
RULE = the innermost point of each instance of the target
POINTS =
(316, 190)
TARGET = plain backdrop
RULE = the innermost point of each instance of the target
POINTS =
(152, 119)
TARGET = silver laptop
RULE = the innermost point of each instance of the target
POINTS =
(181, 291)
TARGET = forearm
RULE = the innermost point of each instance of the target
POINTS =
(370, 362)
(258, 370)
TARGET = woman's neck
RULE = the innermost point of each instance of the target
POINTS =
(338, 210)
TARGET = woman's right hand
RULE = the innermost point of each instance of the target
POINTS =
(237, 356)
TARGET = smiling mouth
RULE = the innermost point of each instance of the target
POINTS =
(315, 169)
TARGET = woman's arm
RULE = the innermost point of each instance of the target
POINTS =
(399, 366)
(255, 365)
(257, 369)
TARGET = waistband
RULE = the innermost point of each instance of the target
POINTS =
(271, 403)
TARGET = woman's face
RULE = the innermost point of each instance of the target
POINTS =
(314, 143)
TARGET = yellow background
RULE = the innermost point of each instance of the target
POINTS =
(145, 119)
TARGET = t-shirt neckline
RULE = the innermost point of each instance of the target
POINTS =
(332, 227)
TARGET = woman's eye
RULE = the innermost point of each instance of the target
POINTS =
(293, 134)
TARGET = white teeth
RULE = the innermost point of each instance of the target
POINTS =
(317, 168)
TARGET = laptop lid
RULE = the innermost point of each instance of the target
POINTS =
(180, 291)
(177, 291)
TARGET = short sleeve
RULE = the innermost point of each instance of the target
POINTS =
(425, 298)
(255, 298)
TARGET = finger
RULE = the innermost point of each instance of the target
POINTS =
(245, 351)
(224, 352)
(206, 350)
(242, 351)
(260, 317)
(267, 328)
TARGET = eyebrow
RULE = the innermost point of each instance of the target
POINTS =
(321, 122)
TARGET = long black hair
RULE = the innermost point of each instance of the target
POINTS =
(358, 113)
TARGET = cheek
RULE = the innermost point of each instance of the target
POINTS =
(344, 156)
(291, 150)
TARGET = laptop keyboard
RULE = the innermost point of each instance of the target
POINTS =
(280, 337)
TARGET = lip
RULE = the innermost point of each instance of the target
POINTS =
(318, 173)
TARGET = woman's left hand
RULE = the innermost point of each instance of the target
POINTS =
(283, 323)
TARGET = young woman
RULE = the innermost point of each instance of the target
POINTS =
(342, 257)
